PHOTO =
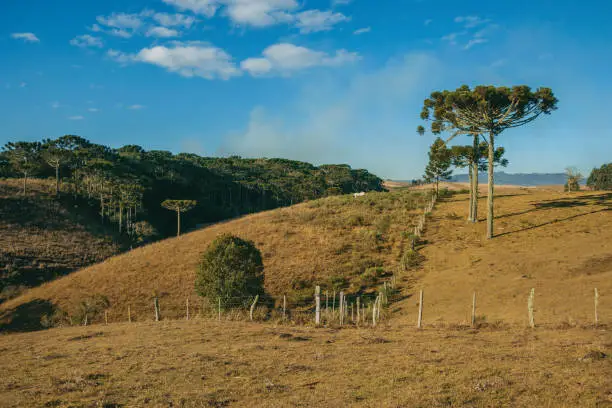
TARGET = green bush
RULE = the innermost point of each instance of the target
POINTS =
(411, 259)
(356, 220)
(230, 269)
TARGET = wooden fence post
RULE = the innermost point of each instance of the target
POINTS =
(352, 313)
(358, 304)
(85, 321)
(596, 304)
(187, 314)
(326, 303)
(341, 304)
(253, 307)
(284, 306)
(317, 305)
(380, 302)
(219, 308)
(156, 306)
(106, 317)
(530, 302)
(374, 312)
(129, 314)
(474, 310)
(420, 321)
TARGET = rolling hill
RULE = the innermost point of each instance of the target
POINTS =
(555, 242)
(336, 242)
(518, 179)
(43, 238)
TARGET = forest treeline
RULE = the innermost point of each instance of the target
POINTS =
(127, 185)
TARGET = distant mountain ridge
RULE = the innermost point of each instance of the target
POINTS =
(519, 179)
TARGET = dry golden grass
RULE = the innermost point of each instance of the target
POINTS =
(209, 364)
(555, 242)
(333, 239)
(41, 238)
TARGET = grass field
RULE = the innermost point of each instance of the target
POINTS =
(209, 364)
(554, 242)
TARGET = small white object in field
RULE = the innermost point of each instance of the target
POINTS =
(361, 194)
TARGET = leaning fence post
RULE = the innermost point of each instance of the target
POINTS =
(358, 301)
(129, 314)
(474, 310)
(156, 305)
(420, 321)
(596, 304)
(253, 307)
(187, 314)
(284, 306)
(317, 305)
(530, 307)
(106, 317)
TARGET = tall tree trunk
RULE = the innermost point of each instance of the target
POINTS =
(474, 164)
(120, 218)
(56, 180)
(470, 215)
(491, 186)
(178, 222)
(437, 185)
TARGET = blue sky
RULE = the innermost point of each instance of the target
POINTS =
(321, 81)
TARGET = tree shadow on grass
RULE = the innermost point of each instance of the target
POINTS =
(26, 317)
(552, 222)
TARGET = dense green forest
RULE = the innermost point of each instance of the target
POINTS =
(601, 178)
(127, 185)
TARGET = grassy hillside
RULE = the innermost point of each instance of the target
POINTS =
(42, 238)
(554, 242)
(336, 242)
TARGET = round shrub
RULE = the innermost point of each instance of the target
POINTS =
(231, 269)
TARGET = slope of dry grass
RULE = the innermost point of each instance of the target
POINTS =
(328, 242)
(40, 238)
(203, 363)
(558, 243)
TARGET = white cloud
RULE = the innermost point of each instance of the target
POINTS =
(93, 110)
(136, 107)
(260, 13)
(189, 59)
(162, 32)
(341, 2)
(264, 13)
(121, 20)
(55, 105)
(204, 7)
(362, 30)
(23, 84)
(285, 58)
(76, 117)
(311, 21)
(427, 22)
(475, 41)
(452, 37)
(86, 40)
(471, 21)
(174, 20)
(27, 37)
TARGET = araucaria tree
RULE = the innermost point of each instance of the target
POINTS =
(180, 206)
(25, 158)
(230, 270)
(601, 178)
(55, 157)
(476, 160)
(440, 160)
(486, 110)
